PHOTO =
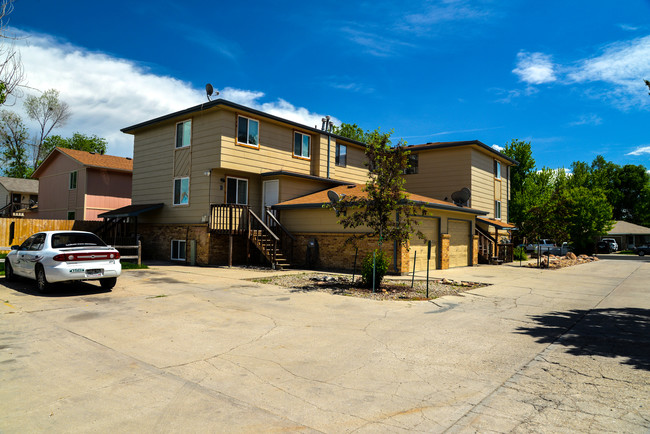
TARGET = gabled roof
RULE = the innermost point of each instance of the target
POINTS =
(89, 159)
(131, 210)
(19, 185)
(318, 199)
(225, 103)
(627, 228)
(443, 145)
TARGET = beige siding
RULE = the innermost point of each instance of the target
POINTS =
(313, 220)
(440, 173)
(355, 170)
(182, 162)
(55, 196)
(483, 182)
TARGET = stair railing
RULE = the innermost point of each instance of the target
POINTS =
(260, 233)
(287, 240)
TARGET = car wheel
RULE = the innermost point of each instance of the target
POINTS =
(9, 272)
(641, 252)
(41, 280)
(108, 282)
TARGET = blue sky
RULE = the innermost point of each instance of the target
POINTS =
(565, 75)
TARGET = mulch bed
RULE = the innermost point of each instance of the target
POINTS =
(388, 290)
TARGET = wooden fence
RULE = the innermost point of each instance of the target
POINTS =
(15, 231)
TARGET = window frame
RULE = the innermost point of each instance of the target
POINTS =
(497, 169)
(74, 176)
(337, 155)
(414, 168)
(246, 144)
(497, 207)
(293, 151)
(178, 250)
(74, 215)
(225, 196)
(187, 121)
(180, 178)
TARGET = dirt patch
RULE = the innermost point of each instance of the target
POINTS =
(389, 289)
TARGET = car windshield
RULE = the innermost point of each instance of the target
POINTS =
(75, 239)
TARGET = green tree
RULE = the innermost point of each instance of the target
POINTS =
(520, 151)
(385, 209)
(50, 113)
(590, 216)
(78, 141)
(351, 131)
(11, 67)
(13, 145)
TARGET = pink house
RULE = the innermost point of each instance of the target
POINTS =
(79, 185)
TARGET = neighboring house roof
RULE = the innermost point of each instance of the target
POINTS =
(626, 228)
(222, 102)
(302, 175)
(89, 159)
(497, 223)
(20, 185)
(442, 145)
(318, 199)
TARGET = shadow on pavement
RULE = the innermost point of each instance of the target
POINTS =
(64, 289)
(602, 332)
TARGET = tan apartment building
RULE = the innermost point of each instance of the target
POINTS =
(18, 196)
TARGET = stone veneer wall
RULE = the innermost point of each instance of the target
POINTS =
(475, 250)
(157, 239)
(334, 254)
(444, 251)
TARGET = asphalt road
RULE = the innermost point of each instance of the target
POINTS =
(180, 349)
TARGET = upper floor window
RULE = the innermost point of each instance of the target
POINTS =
(183, 134)
(341, 157)
(301, 145)
(497, 209)
(73, 180)
(181, 191)
(248, 132)
(237, 191)
(413, 161)
(497, 169)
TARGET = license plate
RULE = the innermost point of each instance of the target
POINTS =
(94, 272)
(77, 270)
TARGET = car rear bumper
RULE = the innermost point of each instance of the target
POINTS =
(82, 271)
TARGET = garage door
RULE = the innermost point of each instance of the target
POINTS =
(430, 228)
(459, 242)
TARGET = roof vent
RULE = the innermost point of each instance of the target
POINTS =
(92, 152)
(129, 158)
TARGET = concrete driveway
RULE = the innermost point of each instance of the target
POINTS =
(180, 349)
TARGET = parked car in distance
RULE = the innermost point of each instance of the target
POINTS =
(58, 256)
(642, 250)
(603, 247)
(612, 242)
(561, 250)
(545, 245)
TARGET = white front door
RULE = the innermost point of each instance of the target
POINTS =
(270, 195)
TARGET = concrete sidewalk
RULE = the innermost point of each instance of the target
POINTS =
(180, 349)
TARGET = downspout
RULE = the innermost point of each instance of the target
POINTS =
(329, 145)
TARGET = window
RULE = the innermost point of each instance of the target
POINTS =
(73, 180)
(301, 145)
(237, 191)
(71, 215)
(248, 132)
(413, 165)
(75, 239)
(183, 134)
(341, 157)
(182, 191)
(178, 250)
(497, 209)
(497, 169)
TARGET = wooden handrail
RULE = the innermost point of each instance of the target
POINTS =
(265, 227)
(280, 225)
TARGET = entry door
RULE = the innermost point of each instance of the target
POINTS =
(270, 195)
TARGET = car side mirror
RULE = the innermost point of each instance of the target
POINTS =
(15, 247)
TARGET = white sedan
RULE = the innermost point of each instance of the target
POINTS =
(58, 256)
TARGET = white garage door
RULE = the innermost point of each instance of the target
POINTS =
(459, 243)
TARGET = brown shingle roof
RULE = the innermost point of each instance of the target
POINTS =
(317, 199)
(92, 159)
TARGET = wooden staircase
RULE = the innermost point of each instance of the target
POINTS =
(270, 237)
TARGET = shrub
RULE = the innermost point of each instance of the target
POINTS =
(381, 268)
(520, 254)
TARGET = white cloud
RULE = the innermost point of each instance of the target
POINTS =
(106, 93)
(498, 148)
(535, 68)
(587, 119)
(640, 151)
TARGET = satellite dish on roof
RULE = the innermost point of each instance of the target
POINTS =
(209, 91)
(461, 197)
(333, 196)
